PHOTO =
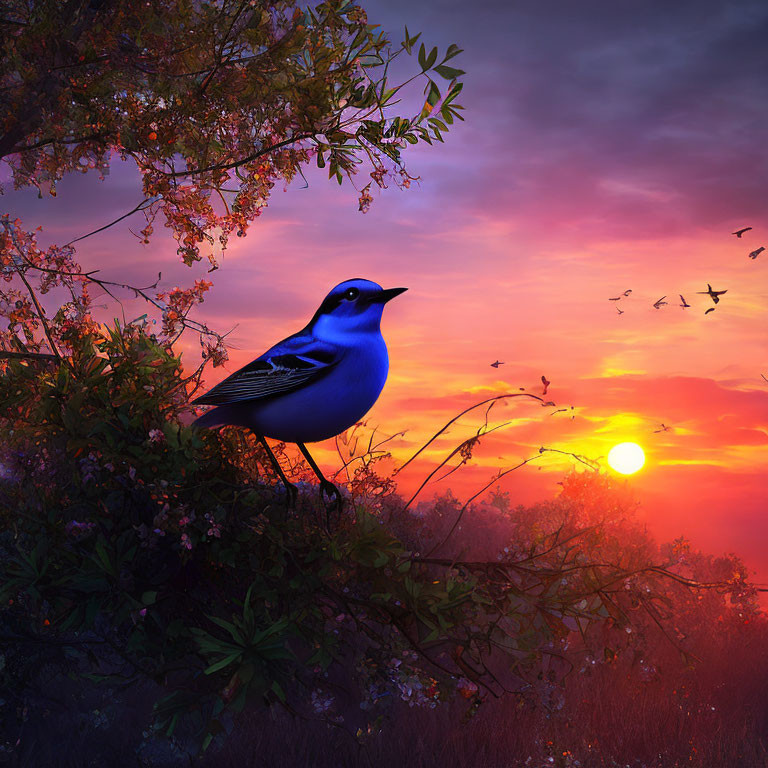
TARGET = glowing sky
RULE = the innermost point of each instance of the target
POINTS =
(607, 146)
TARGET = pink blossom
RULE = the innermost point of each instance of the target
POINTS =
(156, 436)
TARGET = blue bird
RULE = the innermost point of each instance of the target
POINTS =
(314, 384)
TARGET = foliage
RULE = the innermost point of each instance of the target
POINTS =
(171, 551)
(626, 713)
(214, 101)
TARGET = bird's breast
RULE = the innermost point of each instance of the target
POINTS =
(331, 404)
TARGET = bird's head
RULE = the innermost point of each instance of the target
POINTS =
(354, 305)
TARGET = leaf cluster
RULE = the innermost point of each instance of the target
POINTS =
(215, 102)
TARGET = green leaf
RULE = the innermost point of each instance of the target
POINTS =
(453, 93)
(278, 691)
(149, 598)
(104, 560)
(409, 41)
(453, 50)
(423, 57)
(225, 662)
(387, 95)
(433, 95)
(449, 73)
(248, 615)
(231, 628)
(172, 725)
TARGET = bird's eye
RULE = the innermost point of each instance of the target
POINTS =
(351, 294)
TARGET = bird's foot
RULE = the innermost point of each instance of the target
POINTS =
(335, 500)
(327, 488)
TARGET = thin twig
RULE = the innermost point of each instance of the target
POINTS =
(139, 207)
(496, 478)
(456, 418)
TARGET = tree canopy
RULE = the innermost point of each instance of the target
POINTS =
(215, 102)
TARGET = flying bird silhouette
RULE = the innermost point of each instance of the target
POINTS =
(683, 303)
(714, 295)
(627, 292)
(618, 298)
(660, 303)
(496, 364)
(740, 232)
(546, 384)
(314, 384)
(711, 309)
(756, 253)
(664, 428)
(620, 311)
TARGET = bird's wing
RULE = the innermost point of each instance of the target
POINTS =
(290, 365)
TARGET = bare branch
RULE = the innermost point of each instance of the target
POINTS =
(456, 418)
(140, 207)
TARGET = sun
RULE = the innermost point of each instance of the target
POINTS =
(626, 458)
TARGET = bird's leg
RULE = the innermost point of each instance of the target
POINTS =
(291, 489)
(326, 486)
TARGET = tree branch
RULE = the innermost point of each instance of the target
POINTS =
(139, 207)
(32, 294)
(242, 161)
(47, 142)
(41, 356)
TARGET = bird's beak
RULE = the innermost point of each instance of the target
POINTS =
(386, 294)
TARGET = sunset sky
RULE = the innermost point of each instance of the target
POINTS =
(608, 146)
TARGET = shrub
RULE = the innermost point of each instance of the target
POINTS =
(139, 548)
